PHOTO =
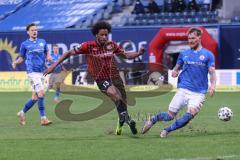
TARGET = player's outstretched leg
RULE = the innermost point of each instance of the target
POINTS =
(120, 124)
(22, 118)
(179, 123)
(21, 114)
(133, 126)
(57, 95)
(124, 118)
(41, 108)
(161, 116)
(148, 125)
(131, 123)
(121, 114)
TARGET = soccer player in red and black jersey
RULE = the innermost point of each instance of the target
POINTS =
(102, 67)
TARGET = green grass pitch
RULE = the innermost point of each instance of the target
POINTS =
(207, 138)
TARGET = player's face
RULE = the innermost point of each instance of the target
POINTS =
(102, 36)
(33, 32)
(55, 50)
(194, 40)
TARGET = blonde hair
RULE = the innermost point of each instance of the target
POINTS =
(195, 29)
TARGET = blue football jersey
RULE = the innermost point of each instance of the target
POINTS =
(34, 54)
(55, 57)
(195, 65)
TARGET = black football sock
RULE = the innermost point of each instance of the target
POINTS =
(122, 111)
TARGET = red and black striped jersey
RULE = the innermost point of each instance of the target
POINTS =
(100, 59)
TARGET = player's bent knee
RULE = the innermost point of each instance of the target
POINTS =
(58, 85)
(172, 114)
(112, 92)
(34, 97)
(193, 110)
(50, 86)
(40, 94)
(115, 96)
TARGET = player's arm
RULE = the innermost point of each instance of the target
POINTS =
(176, 70)
(60, 60)
(178, 65)
(17, 61)
(21, 57)
(213, 80)
(48, 56)
(132, 55)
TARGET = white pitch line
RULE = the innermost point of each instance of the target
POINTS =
(206, 158)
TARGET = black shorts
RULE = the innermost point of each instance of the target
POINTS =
(104, 84)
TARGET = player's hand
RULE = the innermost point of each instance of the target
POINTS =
(211, 90)
(141, 51)
(49, 58)
(174, 73)
(49, 70)
(14, 65)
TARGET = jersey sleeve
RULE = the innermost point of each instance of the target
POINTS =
(180, 59)
(117, 49)
(81, 49)
(45, 48)
(211, 60)
(22, 51)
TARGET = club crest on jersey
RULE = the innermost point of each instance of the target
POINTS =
(41, 44)
(202, 57)
(109, 47)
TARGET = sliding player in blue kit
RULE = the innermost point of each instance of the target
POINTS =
(34, 52)
(195, 63)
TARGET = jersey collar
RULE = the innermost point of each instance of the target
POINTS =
(198, 49)
(33, 40)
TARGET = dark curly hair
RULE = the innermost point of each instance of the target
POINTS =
(101, 25)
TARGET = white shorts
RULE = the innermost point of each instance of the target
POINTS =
(57, 78)
(37, 81)
(185, 97)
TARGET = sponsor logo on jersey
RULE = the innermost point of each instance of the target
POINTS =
(202, 57)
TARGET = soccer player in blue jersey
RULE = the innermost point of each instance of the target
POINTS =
(195, 63)
(56, 78)
(34, 52)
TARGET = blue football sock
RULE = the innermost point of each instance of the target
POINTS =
(41, 106)
(29, 105)
(179, 123)
(57, 93)
(161, 116)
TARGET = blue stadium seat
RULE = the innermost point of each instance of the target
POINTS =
(205, 20)
(169, 15)
(9, 7)
(185, 14)
(156, 16)
(190, 20)
(192, 14)
(235, 19)
(159, 21)
(151, 22)
(177, 15)
(59, 12)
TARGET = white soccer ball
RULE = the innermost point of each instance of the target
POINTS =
(225, 114)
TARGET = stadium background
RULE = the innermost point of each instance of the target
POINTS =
(55, 24)
(67, 23)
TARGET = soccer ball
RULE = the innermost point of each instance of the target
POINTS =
(225, 114)
(156, 78)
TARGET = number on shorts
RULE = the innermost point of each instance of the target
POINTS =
(105, 84)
